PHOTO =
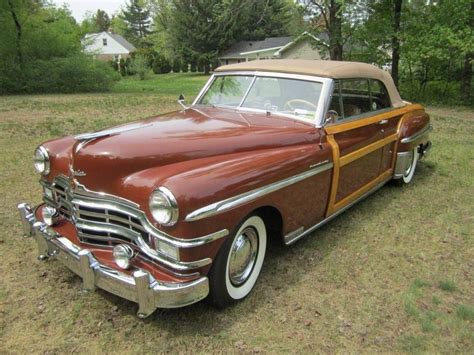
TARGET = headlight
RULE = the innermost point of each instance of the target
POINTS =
(163, 206)
(41, 160)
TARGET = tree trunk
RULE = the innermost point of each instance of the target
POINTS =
(19, 52)
(335, 30)
(397, 12)
(466, 79)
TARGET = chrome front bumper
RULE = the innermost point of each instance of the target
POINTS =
(140, 287)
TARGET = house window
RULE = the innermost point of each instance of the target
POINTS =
(104, 41)
(117, 57)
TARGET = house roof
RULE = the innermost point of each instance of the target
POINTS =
(323, 68)
(237, 50)
(278, 44)
(122, 41)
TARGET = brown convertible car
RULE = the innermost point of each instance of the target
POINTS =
(179, 207)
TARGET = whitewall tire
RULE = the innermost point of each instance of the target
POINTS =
(238, 264)
(410, 172)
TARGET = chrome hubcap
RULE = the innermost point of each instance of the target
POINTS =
(243, 255)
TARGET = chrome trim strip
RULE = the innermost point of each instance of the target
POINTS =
(324, 102)
(417, 135)
(140, 242)
(110, 131)
(246, 197)
(140, 287)
(149, 228)
(292, 237)
(247, 91)
(203, 90)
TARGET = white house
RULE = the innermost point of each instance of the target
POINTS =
(107, 46)
(305, 46)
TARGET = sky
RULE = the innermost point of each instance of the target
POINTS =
(80, 7)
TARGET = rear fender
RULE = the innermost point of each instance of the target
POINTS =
(414, 130)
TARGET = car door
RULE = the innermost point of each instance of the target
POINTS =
(381, 106)
(358, 141)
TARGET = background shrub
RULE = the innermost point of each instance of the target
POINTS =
(176, 65)
(184, 67)
(140, 66)
(59, 75)
(161, 65)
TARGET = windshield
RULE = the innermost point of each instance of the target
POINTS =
(298, 98)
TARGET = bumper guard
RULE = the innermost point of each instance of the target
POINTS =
(140, 287)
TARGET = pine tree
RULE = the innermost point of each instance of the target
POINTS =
(102, 20)
(138, 21)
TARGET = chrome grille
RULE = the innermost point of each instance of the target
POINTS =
(62, 193)
(99, 219)
(105, 225)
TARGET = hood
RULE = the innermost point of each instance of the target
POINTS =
(172, 138)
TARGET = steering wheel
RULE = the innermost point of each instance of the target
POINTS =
(290, 104)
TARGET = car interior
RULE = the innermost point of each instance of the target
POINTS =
(354, 97)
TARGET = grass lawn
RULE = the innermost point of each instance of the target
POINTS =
(393, 274)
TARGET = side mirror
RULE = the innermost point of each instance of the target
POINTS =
(181, 101)
(331, 117)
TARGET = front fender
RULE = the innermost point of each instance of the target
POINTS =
(202, 182)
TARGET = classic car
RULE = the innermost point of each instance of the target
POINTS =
(177, 208)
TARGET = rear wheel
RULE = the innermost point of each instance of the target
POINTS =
(238, 264)
(410, 172)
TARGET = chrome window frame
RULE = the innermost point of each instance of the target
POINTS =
(323, 102)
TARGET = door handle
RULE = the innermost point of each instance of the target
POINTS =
(383, 122)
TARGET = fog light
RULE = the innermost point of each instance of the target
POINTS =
(123, 254)
(50, 215)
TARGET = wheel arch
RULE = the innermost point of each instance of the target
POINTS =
(273, 220)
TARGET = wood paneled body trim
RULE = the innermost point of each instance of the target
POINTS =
(395, 147)
(348, 158)
(364, 189)
(335, 174)
(339, 161)
(346, 126)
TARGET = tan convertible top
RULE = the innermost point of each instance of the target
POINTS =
(324, 68)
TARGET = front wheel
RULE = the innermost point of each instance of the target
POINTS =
(238, 264)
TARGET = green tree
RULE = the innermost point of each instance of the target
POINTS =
(260, 19)
(136, 16)
(40, 46)
(140, 66)
(218, 23)
(436, 48)
(328, 17)
(102, 20)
